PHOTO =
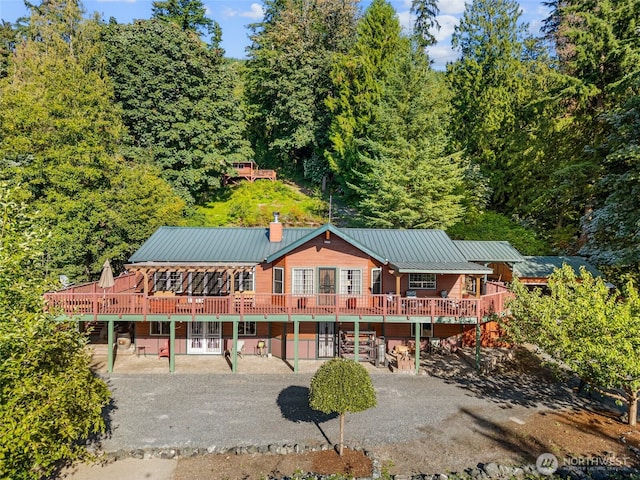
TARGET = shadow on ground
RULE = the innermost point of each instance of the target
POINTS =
(293, 402)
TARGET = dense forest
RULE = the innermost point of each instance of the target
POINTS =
(109, 130)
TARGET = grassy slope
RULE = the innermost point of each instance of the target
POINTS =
(253, 204)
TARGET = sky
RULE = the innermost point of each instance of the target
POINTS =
(234, 16)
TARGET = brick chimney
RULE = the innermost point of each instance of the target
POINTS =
(275, 229)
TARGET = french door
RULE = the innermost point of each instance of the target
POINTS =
(326, 339)
(327, 286)
(204, 338)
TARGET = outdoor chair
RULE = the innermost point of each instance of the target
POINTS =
(164, 350)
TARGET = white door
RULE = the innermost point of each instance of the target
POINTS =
(326, 339)
(204, 338)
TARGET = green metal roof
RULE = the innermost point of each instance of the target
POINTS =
(408, 251)
(543, 266)
(486, 251)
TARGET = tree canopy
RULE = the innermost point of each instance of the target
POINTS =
(50, 401)
(341, 386)
(582, 324)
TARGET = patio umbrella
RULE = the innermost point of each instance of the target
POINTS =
(106, 277)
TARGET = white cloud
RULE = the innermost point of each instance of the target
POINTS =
(451, 7)
(447, 25)
(116, 1)
(441, 55)
(406, 20)
(255, 12)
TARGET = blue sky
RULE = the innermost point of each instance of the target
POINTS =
(235, 15)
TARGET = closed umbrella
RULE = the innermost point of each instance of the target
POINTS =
(106, 277)
(106, 280)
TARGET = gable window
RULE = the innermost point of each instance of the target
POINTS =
(167, 282)
(302, 281)
(159, 328)
(422, 281)
(350, 281)
(243, 281)
(278, 280)
(247, 328)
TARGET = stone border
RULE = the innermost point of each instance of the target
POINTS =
(483, 471)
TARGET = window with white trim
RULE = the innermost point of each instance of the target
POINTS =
(278, 280)
(159, 328)
(247, 328)
(302, 281)
(376, 281)
(350, 281)
(243, 281)
(422, 281)
(167, 282)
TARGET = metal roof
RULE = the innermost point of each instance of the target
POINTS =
(486, 251)
(201, 244)
(543, 266)
(430, 251)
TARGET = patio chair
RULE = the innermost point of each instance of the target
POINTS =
(163, 351)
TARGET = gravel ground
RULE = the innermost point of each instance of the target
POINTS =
(217, 410)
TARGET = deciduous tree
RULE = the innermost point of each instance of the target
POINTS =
(582, 324)
(50, 401)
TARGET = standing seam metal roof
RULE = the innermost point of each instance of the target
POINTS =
(488, 251)
(408, 250)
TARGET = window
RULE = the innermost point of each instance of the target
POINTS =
(278, 280)
(160, 328)
(247, 328)
(426, 329)
(303, 281)
(376, 281)
(350, 281)
(167, 282)
(243, 281)
(422, 281)
(470, 284)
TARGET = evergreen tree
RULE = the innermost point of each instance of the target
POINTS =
(189, 15)
(288, 79)
(359, 79)
(426, 12)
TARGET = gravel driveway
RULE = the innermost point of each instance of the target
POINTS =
(211, 410)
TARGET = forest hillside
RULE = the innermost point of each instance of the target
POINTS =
(108, 130)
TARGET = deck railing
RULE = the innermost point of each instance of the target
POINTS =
(96, 303)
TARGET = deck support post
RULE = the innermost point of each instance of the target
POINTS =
(110, 342)
(234, 348)
(172, 346)
(356, 346)
(296, 335)
(478, 345)
(417, 349)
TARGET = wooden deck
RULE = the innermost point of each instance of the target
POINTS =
(274, 307)
(250, 171)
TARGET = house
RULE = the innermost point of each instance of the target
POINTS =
(298, 293)
(536, 270)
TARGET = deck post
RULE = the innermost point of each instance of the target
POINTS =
(234, 348)
(296, 335)
(110, 341)
(356, 340)
(478, 344)
(417, 349)
(172, 346)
